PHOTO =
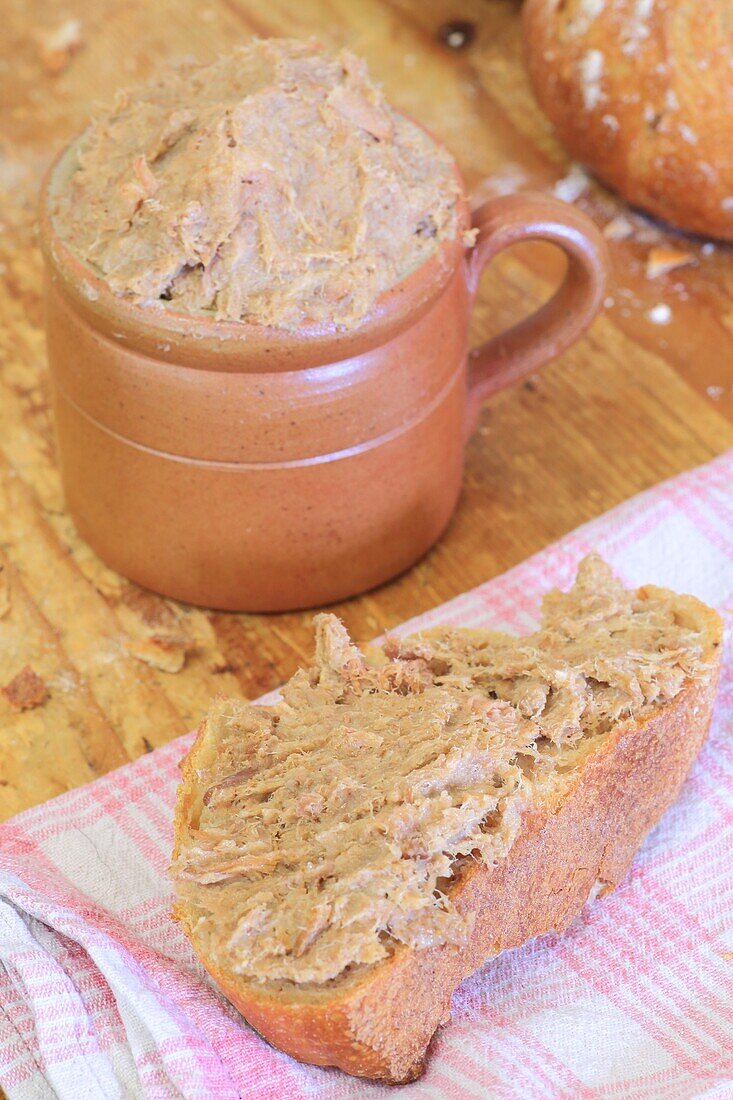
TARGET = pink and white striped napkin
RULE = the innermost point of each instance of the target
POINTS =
(100, 995)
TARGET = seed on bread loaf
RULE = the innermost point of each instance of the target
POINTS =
(639, 91)
(346, 857)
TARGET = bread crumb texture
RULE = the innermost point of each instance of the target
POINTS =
(274, 186)
(327, 828)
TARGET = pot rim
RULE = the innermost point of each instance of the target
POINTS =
(190, 339)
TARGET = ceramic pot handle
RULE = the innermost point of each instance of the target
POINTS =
(531, 343)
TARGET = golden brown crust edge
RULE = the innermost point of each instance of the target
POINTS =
(381, 1025)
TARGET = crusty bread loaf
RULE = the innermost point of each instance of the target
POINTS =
(345, 858)
(640, 92)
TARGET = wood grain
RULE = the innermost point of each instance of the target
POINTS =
(629, 405)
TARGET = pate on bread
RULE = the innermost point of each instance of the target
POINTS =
(378, 826)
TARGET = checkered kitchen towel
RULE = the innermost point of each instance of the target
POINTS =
(100, 995)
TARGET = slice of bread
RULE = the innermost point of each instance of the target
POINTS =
(344, 858)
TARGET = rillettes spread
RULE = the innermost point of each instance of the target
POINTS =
(273, 186)
(327, 827)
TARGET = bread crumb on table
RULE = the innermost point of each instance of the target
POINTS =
(573, 185)
(661, 260)
(26, 690)
(661, 314)
(618, 228)
(161, 651)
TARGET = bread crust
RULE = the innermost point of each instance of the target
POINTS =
(379, 1024)
(643, 102)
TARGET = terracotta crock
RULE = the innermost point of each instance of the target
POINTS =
(249, 468)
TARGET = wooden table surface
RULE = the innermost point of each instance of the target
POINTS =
(629, 405)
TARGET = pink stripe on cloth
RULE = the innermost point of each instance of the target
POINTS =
(100, 995)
